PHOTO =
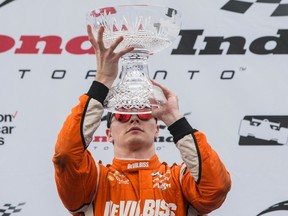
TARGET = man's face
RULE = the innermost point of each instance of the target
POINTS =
(134, 132)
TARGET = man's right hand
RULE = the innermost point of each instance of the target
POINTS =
(168, 112)
(107, 60)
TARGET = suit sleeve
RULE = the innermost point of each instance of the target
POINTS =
(76, 172)
(204, 179)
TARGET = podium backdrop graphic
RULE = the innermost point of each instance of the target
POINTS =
(228, 66)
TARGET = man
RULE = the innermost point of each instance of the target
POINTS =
(136, 183)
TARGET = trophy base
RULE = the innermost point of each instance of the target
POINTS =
(135, 99)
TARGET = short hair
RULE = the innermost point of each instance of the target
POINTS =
(109, 118)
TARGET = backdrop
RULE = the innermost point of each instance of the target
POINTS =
(228, 66)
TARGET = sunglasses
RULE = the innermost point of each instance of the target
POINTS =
(126, 117)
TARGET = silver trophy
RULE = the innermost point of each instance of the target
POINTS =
(148, 29)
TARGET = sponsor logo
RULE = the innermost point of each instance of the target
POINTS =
(121, 178)
(279, 9)
(9, 209)
(138, 165)
(6, 125)
(53, 43)
(282, 206)
(264, 130)
(161, 181)
(150, 208)
(237, 44)
(80, 45)
(5, 2)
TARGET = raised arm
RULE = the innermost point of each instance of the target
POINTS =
(75, 169)
(204, 179)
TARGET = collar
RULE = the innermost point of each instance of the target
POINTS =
(133, 165)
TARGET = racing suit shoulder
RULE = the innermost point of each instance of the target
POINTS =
(204, 179)
(75, 169)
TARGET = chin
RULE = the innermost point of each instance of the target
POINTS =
(139, 142)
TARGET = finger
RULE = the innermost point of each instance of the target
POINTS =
(165, 90)
(125, 51)
(100, 38)
(158, 84)
(116, 43)
(91, 36)
(155, 83)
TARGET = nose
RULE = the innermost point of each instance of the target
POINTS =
(134, 118)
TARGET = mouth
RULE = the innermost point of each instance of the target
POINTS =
(135, 129)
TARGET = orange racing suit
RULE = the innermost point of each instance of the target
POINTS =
(135, 187)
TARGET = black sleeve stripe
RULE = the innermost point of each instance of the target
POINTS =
(82, 124)
(199, 160)
(98, 91)
(180, 128)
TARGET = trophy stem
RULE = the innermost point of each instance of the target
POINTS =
(135, 71)
(135, 93)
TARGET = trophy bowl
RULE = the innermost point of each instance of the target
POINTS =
(148, 29)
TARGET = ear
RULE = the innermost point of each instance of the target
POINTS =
(157, 131)
(109, 135)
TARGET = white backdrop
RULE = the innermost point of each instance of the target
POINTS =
(220, 93)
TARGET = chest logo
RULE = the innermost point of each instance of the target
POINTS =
(161, 180)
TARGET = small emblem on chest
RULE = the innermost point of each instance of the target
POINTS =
(121, 178)
(161, 181)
